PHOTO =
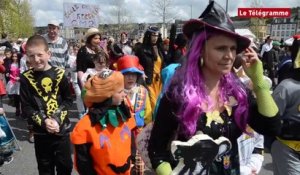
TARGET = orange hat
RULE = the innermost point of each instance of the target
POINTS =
(102, 86)
(129, 63)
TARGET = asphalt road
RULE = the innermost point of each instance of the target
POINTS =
(24, 161)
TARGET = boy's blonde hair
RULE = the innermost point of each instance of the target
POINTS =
(37, 40)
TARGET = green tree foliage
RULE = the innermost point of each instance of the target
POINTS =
(15, 18)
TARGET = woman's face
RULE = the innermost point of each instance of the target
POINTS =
(96, 40)
(118, 97)
(123, 37)
(154, 37)
(219, 53)
(130, 79)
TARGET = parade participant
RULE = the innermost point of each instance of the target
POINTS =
(45, 101)
(4, 41)
(177, 48)
(7, 62)
(286, 148)
(151, 58)
(115, 52)
(58, 46)
(125, 44)
(102, 138)
(2, 85)
(85, 53)
(13, 85)
(137, 99)
(100, 60)
(206, 108)
(267, 46)
(74, 80)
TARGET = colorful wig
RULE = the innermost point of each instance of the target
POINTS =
(188, 87)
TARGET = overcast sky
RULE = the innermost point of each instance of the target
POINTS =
(140, 10)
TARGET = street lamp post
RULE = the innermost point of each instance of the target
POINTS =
(226, 6)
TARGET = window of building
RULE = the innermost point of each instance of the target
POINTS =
(288, 26)
(278, 33)
(282, 33)
(273, 33)
(283, 26)
(278, 27)
(293, 26)
(292, 33)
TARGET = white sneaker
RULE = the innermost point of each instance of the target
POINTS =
(8, 160)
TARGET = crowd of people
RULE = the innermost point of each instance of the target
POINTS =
(212, 99)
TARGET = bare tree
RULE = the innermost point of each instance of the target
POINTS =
(163, 9)
(122, 16)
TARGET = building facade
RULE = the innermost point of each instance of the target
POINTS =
(285, 28)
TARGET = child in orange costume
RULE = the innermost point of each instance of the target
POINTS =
(102, 138)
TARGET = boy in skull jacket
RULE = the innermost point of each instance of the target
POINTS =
(45, 102)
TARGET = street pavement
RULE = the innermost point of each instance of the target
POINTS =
(24, 161)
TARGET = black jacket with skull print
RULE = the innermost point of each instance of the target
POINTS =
(46, 94)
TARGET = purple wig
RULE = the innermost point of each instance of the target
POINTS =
(189, 88)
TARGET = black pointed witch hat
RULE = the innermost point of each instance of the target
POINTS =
(214, 17)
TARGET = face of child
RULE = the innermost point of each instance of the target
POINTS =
(8, 54)
(100, 65)
(130, 79)
(38, 57)
(118, 97)
(14, 57)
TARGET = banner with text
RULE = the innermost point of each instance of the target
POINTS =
(81, 15)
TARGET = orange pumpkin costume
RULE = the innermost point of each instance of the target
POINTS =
(110, 146)
(102, 138)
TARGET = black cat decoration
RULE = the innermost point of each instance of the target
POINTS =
(197, 154)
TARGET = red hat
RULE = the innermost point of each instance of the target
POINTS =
(129, 63)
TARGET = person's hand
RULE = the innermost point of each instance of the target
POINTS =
(7, 74)
(17, 78)
(144, 76)
(253, 172)
(252, 65)
(52, 125)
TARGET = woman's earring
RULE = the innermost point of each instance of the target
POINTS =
(201, 62)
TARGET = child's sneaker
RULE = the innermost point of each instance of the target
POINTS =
(8, 160)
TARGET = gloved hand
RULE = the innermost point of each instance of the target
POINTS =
(164, 169)
(254, 69)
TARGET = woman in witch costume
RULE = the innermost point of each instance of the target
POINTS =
(206, 105)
